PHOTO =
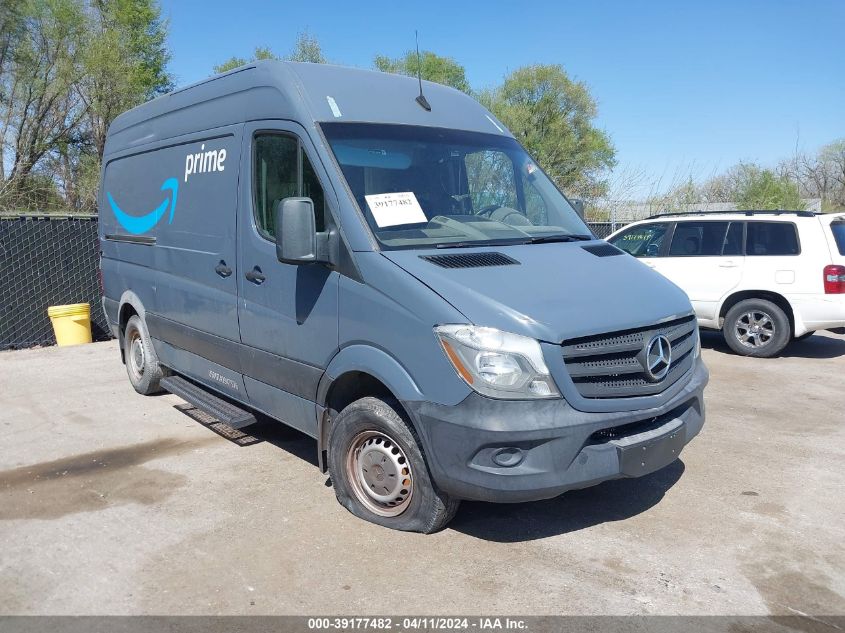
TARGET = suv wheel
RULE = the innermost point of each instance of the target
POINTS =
(756, 327)
(378, 470)
(145, 372)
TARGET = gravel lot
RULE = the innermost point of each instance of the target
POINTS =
(112, 503)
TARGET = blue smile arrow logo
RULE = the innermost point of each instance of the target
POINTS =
(137, 224)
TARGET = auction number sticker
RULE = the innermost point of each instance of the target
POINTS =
(393, 209)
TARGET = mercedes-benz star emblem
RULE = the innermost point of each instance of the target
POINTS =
(658, 358)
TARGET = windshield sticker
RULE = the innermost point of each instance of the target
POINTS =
(393, 209)
(333, 106)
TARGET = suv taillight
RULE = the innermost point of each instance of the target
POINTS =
(834, 280)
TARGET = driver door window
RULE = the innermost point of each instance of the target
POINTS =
(644, 240)
(282, 170)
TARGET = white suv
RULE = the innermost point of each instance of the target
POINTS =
(762, 277)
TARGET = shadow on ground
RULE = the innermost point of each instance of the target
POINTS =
(265, 430)
(505, 523)
(611, 501)
(817, 346)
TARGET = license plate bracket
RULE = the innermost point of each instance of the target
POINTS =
(650, 455)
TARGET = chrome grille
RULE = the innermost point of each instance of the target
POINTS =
(611, 366)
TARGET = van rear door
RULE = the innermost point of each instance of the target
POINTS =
(288, 314)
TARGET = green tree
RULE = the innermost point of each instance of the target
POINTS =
(764, 189)
(443, 70)
(39, 105)
(260, 53)
(125, 62)
(831, 160)
(552, 116)
(67, 69)
(306, 49)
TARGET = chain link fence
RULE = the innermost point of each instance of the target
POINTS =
(46, 261)
(52, 260)
(603, 229)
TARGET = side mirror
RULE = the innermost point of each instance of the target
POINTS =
(296, 233)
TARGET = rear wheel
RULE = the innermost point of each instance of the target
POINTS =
(378, 470)
(142, 366)
(756, 327)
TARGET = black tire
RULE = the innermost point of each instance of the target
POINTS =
(773, 331)
(375, 429)
(142, 364)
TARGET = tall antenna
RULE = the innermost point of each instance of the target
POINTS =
(421, 98)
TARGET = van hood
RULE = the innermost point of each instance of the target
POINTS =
(555, 292)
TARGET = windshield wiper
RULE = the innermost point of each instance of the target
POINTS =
(482, 243)
(542, 239)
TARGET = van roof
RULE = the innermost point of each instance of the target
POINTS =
(302, 92)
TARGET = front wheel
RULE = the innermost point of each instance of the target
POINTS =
(378, 470)
(756, 327)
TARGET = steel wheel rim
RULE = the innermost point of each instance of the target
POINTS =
(137, 355)
(754, 329)
(380, 473)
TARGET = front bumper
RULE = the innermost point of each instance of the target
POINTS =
(547, 446)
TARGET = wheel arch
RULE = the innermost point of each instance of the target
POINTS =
(768, 295)
(356, 372)
(129, 305)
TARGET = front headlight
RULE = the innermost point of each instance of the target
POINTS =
(497, 364)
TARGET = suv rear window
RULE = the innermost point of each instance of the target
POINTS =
(771, 238)
(838, 229)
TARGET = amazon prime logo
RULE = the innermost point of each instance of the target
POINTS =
(656, 358)
(138, 224)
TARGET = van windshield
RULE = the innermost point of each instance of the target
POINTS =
(423, 187)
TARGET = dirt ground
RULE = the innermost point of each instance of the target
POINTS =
(113, 503)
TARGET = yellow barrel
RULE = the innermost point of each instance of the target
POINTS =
(71, 323)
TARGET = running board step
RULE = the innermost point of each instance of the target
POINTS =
(206, 401)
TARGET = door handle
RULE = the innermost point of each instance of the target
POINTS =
(256, 276)
(728, 265)
(222, 269)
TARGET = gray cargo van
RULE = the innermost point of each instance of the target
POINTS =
(395, 277)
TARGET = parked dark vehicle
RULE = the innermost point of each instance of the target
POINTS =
(403, 284)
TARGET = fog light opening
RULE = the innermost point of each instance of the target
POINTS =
(508, 457)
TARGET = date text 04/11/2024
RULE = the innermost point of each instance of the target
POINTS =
(417, 623)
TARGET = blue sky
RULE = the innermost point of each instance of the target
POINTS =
(681, 86)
